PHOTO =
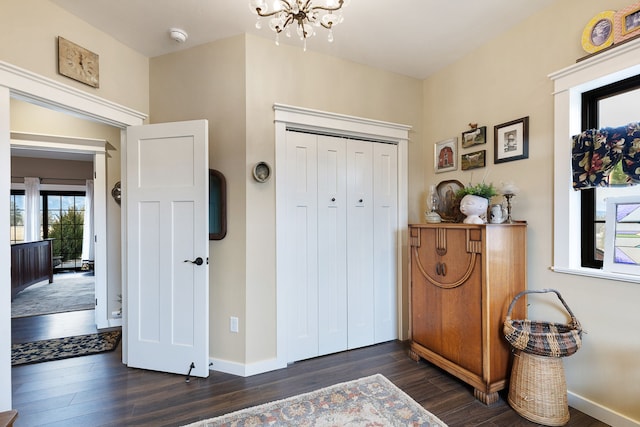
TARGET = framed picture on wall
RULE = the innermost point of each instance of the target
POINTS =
(511, 140)
(474, 137)
(445, 155)
(626, 23)
(473, 160)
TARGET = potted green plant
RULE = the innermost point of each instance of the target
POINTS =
(474, 201)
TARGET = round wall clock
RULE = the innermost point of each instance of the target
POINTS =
(598, 33)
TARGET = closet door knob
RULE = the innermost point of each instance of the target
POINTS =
(333, 199)
(360, 201)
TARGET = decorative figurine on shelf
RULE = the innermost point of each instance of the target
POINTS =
(433, 201)
(475, 201)
(508, 190)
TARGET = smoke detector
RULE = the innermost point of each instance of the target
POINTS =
(178, 35)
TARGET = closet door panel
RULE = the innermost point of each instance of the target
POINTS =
(332, 244)
(360, 243)
(302, 244)
(385, 245)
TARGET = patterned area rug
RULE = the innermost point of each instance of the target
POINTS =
(64, 348)
(68, 292)
(370, 401)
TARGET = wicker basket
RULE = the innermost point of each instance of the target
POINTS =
(543, 338)
(538, 389)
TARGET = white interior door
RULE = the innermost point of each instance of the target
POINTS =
(332, 244)
(166, 202)
(360, 243)
(302, 240)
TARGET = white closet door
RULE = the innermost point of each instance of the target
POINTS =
(302, 245)
(385, 225)
(332, 244)
(360, 298)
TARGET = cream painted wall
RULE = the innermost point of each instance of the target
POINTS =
(208, 82)
(505, 80)
(29, 31)
(234, 83)
(26, 117)
(288, 75)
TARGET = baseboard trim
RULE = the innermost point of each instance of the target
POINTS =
(599, 412)
(244, 370)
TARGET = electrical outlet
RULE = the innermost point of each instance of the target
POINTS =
(233, 324)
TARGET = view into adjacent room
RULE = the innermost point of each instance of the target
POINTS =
(52, 168)
(50, 211)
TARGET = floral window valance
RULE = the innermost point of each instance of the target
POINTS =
(596, 152)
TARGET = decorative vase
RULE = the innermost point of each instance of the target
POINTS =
(473, 207)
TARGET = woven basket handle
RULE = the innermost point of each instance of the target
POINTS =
(539, 291)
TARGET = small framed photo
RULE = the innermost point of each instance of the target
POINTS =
(598, 33)
(445, 155)
(474, 137)
(626, 23)
(473, 160)
(622, 235)
(511, 140)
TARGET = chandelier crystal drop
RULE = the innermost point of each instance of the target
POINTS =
(306, 15)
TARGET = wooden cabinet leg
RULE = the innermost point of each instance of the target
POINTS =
(486, 398)
(413, 355)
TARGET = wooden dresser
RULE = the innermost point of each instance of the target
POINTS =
(463, 277)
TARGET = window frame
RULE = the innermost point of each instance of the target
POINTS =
(590, 120)
(570, 83)
(12, 194)
(45, 216)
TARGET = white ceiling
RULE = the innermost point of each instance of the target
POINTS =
(411, 37)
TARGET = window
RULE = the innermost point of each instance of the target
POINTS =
(609, 106)
(593, 72)
(62, 220)
(16, 216)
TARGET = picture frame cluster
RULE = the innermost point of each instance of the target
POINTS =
(611, 27)
(510, 142)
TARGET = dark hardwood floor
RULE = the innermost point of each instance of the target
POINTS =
(99, 390)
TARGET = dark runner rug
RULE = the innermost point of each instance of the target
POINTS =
(64, 348)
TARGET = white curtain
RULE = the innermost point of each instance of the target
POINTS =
(32, 209)
(87, 232)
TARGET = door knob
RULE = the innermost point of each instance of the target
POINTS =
(197, 261)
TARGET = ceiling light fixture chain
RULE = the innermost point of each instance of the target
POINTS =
(303, 12)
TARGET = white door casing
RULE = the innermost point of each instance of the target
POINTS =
(308, 120)
(16, 82)
(97, 150)
(167, 218)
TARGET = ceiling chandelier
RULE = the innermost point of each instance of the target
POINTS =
(304, 13)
